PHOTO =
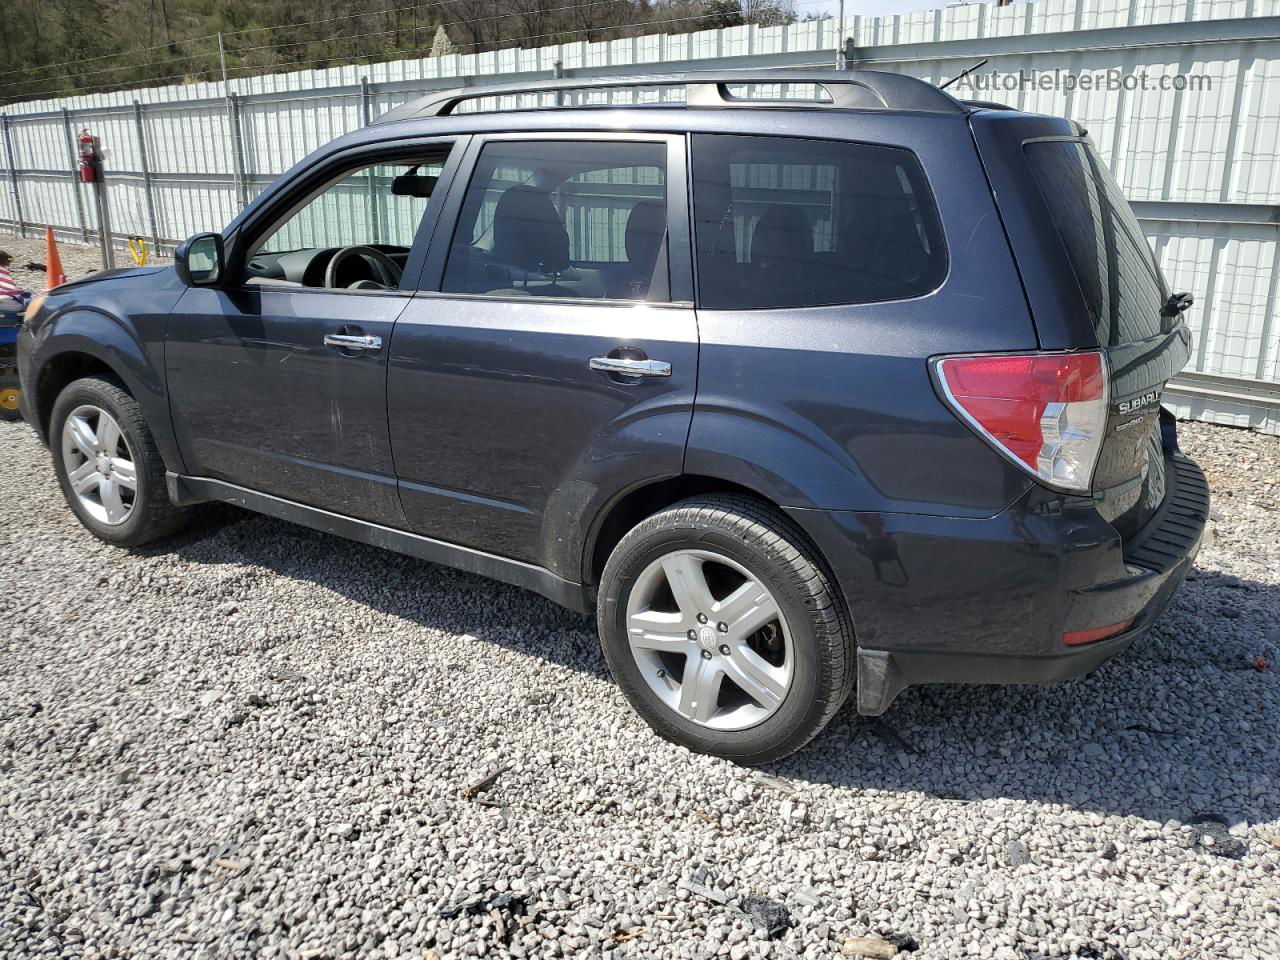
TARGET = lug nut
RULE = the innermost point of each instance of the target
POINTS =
(706, 654)
(702, 618)
(724, 649)
(693, 634)
(722, 627)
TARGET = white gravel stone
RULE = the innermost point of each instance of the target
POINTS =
(288, 780)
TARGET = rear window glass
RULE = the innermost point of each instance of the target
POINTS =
(1122, 285)
(784, 222)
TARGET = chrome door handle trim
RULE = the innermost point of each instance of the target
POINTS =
(631, 368)
(348, 341)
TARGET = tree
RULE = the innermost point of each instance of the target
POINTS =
(769, 13)
(720, 13)
(441, 45)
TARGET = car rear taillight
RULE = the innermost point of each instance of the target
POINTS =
(1045, 411)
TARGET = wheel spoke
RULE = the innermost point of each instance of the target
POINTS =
(124, 473)
(82, 435)
(746, 610)
(109, 491)
(663, 632)
(699, 689)
(759, 680)
(108, 433)
(688, 583)
(84, 477)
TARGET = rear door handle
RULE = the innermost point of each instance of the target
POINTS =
(631, 368)
(350, 341)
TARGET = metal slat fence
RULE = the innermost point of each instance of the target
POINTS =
(1197, 158)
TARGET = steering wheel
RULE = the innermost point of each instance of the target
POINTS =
(383, 265)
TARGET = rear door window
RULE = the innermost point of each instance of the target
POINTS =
(1122, 286)
(786, 222)
(563, 218)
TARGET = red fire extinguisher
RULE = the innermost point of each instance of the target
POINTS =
(90, 158)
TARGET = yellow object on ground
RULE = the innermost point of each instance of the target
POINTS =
(138, 250)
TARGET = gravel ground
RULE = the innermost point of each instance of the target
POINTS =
(260, 741)
(77, 259)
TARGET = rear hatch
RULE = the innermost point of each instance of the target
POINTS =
(1092, 282)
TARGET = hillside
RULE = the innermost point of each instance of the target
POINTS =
(53, 47)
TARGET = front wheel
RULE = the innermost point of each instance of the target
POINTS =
(722, 629)
(108, 466)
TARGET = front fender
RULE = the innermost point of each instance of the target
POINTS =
(118, 324)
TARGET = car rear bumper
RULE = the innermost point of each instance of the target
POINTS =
(946, 600)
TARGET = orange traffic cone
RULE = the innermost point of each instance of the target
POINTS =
(52, 262)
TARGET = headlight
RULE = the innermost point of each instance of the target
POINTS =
(33, 308)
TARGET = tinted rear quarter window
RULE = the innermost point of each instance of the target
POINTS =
(1121, 284)
(786, 222)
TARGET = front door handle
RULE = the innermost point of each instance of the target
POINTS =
(631, 368)
(350, 341)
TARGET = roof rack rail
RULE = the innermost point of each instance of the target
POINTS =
(847, 90)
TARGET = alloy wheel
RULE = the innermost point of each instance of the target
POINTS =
(710, 639)
(99, 465)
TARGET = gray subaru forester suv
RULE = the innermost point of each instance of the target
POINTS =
(802, 382)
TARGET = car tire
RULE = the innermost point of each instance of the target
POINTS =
(735, 562)
(110, 470)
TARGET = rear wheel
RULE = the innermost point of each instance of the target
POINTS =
(723, 631)
(108, 466)
(9, 398)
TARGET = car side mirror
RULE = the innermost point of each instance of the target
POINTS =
(200, 261)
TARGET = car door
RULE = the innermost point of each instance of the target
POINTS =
(551, 360)
(277, 379)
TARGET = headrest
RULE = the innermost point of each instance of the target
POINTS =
(527, 232)
(646, 225)
(782, 233)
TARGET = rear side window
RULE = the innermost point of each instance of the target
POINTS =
(1123, 288)
(784, 222)
(563, 218)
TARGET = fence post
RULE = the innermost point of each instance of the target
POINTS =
(850, 53)
(366, 103)
(73, 158)
(366, 117)
(146, 176)
(233, 121)
(13, 175)
(237, 148)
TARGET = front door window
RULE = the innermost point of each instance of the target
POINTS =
(355, 233)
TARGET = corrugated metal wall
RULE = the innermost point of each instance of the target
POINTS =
(1200, 163)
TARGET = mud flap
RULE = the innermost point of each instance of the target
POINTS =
(879, 682)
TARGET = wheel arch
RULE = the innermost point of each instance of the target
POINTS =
(60, 370)
(86, 342)
(627, 509)
(632, 506)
